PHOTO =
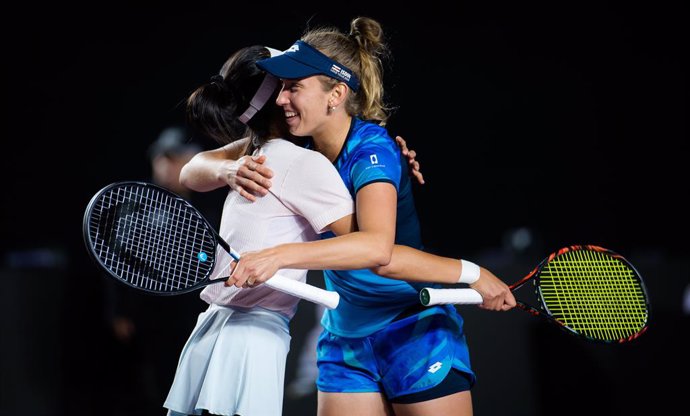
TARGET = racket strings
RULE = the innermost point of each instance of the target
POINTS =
(594, 294)
(151, 239)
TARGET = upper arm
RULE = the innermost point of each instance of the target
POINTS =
(376, 206)
(236, 149)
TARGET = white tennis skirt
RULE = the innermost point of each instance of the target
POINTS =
(232, 364)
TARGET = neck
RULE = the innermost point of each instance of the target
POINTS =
(331, 139)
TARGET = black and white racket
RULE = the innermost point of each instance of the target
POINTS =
(590, 291)
(154, 240)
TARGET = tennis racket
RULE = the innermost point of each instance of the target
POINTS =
(154, 240)
(589, 291)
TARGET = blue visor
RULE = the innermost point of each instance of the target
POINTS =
(302, 60)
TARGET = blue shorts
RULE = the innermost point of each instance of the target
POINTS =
(410, 355)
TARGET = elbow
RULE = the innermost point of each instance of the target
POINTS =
(185, 177)
(383, 271)
(381, 259)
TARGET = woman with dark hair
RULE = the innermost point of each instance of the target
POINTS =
(234, 361)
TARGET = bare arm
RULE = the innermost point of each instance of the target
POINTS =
(226, 166)
(415, 265)
(369, 247)
(372, 246)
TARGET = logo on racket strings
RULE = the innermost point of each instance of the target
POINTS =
(202, 257)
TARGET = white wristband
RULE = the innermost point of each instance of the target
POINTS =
(469, 273)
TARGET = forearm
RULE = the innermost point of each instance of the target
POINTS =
(204, 171)
(201, 173)
(415, 265)
(358, 250)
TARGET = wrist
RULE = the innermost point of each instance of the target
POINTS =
(469, 272)
(282, 256)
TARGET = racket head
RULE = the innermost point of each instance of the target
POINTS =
(149, 238)
(594, 293)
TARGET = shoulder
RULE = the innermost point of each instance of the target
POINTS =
(368, 134)
(286, 159)
(282, 154)
(279, 147)
(370, 131)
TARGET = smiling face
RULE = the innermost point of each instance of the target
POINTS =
(305, 104)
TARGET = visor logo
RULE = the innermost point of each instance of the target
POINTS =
(293, 48)
(374, 159)
(340, 73)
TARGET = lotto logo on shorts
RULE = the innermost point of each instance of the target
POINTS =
(435, 367)
(374, 159)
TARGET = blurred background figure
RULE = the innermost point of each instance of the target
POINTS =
(148, 332)
(168, 154)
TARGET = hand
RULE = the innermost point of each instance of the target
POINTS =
(254, 268)
(496, 294)
(248, 176)
(410, 155)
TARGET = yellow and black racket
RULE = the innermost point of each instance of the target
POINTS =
(590, 291)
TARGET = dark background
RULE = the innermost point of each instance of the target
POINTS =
(562, 123)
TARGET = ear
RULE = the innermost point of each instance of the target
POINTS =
(338, 94)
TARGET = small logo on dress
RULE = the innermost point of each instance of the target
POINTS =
(374, 159)
(435, 367)
(293, 48)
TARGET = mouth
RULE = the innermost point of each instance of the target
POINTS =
(291, 117)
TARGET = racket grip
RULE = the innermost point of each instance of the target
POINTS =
(327, 298)
(430, 296)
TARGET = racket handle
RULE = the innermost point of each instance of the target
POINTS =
(430, 296)
(327, 298)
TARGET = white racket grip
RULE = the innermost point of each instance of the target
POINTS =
(327, 298)
(430, 296)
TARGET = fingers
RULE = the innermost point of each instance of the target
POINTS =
(240, 282)
(499, 303)
(245, 194)
(251, 183)
(418, 175)
(254, 173)
(402, 144)
(256, 164)
(261, 169)
(509, 301)
(242, 277)
(411, 159)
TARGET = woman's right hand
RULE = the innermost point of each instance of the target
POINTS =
(248, 176)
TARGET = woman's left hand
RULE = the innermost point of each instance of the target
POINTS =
(411, 159)
(496, 294)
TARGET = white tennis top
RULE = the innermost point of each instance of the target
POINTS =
(306, 196)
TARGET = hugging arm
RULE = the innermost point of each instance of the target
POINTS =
(369, 247)
(225, 166)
